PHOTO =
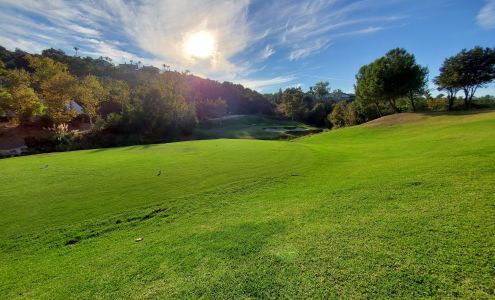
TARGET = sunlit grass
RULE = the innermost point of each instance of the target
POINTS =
(402, 210)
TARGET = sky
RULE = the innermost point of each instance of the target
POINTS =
(265, 45)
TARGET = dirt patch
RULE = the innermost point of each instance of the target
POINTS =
(396, 119)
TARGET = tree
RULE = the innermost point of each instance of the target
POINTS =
(418, 83)
(317, 114)
(337, 116)
(344, 114)
(369, 86)
(161, 109)
(211, 108)
(118, 92)
(17, 96)
(56, 85)
(402, 76)
(476, 68)
(447, 80)
(351, 114)
(90, 93)
(320, 89)
(292, 105)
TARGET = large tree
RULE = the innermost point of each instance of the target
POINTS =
(447, 80)
(418, 84)
(292, 104)
(17, 96)
(90, 93)
(476, 68)
(369, 86)
(389, 78)
(402, 77)
(56, 85)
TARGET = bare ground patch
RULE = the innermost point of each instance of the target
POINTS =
(396, 119)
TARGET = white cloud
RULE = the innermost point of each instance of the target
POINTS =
(371, 29)
(267, 52)
(12, 43)
(305, 51)
(154, 31)
(309, 27)
(486, 16)
(259, 84)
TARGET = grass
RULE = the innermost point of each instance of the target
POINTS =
(251, 127)
(386, 210)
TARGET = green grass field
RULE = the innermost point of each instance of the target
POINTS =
(403, 207)
(251, 127)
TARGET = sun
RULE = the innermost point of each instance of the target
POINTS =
(200, 44)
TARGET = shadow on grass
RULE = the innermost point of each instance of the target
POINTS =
(126, 148)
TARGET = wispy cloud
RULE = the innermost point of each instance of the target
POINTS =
(306, 28)
(305, 51)
(267, 52)
(246, 32)
(486, 16)
(371, 29)
(259, 84)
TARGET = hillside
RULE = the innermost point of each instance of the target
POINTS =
(391, 209)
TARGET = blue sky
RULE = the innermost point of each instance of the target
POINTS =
(265, 45)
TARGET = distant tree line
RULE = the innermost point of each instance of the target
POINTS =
(396, 83)
(132, 103)
(391, 84)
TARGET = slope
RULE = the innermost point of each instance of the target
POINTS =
(397, 210)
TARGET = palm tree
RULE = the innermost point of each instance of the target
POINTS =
(77, 49)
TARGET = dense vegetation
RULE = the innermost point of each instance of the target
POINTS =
(135, 104)
(391, 84)
(399, 208)
(128, 101)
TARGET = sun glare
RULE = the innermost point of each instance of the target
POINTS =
(199, 45)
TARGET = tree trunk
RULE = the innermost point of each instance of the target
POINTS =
(450, 99)
(378, 109)
(393, 105)
(91, 121)
(466, 99)
(411, 97)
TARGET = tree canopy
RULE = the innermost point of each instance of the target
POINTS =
(389, 78)
(467, 71)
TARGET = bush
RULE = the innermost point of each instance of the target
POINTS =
(436, 104)
(344, 114)
(316, 115)
(40, 144)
